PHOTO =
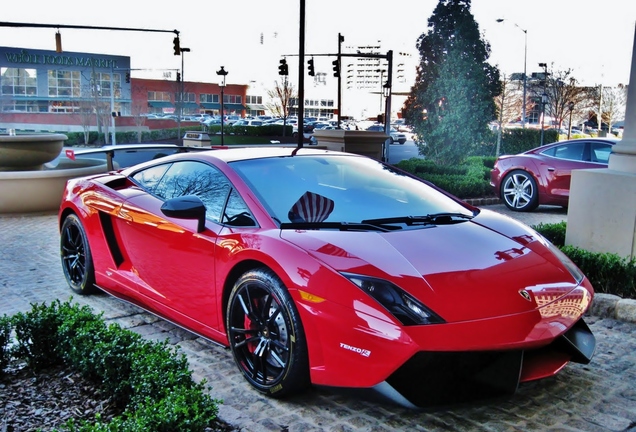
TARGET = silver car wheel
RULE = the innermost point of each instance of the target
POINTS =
(519, 191)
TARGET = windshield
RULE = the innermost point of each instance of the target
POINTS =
(340, 189)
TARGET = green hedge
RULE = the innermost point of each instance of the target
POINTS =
(609, 273)
(469, 180)
(150, 382)
(515, 141)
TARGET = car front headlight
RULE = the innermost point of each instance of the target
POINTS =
(576, 273)
(403, 306)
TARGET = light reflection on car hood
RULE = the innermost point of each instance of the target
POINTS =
(462, 271)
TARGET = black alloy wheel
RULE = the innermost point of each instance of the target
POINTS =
(266, 335)
(519, 191)
(77, 261)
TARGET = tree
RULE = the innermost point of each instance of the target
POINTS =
(610, 102)
(561, 88)
(509, 104)
(452, 100)
(280, 97)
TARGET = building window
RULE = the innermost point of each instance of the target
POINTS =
(256, 100)
(19, 82)
(209, 98)
(103, 81)
(232, 99)
(65, 84)
(157, 96)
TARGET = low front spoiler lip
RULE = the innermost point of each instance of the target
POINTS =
(434, 379)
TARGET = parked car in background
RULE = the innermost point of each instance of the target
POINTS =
(542, 175)
(244, 122)
(394, 134)
(401, 126)
(328, 268)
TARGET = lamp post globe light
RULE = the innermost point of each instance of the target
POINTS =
(222, 73)
(525, 78)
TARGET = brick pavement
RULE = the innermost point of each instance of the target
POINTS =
(600, 396)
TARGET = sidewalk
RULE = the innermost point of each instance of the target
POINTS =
(598, 396)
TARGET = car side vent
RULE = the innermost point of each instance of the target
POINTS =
(113, 181)
(111, 239)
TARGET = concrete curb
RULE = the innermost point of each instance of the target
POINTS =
(613, 306)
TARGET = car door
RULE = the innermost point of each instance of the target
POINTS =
(557, 168)
(173, 262)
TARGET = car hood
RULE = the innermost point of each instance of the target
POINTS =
(466, 271)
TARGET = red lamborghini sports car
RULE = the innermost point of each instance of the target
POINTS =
(330, 269)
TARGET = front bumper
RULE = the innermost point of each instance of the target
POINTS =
(442, 378)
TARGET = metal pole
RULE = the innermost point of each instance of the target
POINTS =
(571, 106)
(222, 73)
(222, 110)
(113, 140)
(301, 76)
(544, 98)
(525, 78)
(387, 111)
(340, 40)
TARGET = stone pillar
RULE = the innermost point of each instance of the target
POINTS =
(602, 207)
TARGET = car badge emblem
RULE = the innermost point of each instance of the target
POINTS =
(525, 294)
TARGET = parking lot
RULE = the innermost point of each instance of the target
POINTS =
(600, 396)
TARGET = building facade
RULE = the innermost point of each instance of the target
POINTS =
(47, 90)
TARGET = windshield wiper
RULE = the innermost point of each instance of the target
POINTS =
(429, 219)
(341, 226)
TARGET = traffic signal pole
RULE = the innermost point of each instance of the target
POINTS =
(340, 40)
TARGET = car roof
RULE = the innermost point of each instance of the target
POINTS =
(609, 140)
(245, 153)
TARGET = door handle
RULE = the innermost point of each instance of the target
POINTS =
(551, 169)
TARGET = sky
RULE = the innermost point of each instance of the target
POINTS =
(593, 39)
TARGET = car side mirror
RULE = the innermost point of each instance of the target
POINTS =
(186, 207)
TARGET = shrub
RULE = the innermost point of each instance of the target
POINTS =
(469, 180)
(5, 335)
(555, 232)
(150, 381)
(608, 273)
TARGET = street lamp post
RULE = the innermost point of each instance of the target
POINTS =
(544, 97)
(181, 91)
(544, 101)
(381, 87)
(571, 108)
(525, 78)
(222, 73)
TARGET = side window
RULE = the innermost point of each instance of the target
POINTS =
(570, 151)
(600, 152)
(237, 213)
(149, 178)
(196, 178)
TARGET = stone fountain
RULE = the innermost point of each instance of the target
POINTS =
(29, 181)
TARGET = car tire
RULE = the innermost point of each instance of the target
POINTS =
(402, 141)
(519, 191)
(266, 335)
(77, 260)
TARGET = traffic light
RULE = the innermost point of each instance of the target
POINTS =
(312, 71)
(127, 77)
(283, 69)
(336, 68)
(177, 46)
(178, 76)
